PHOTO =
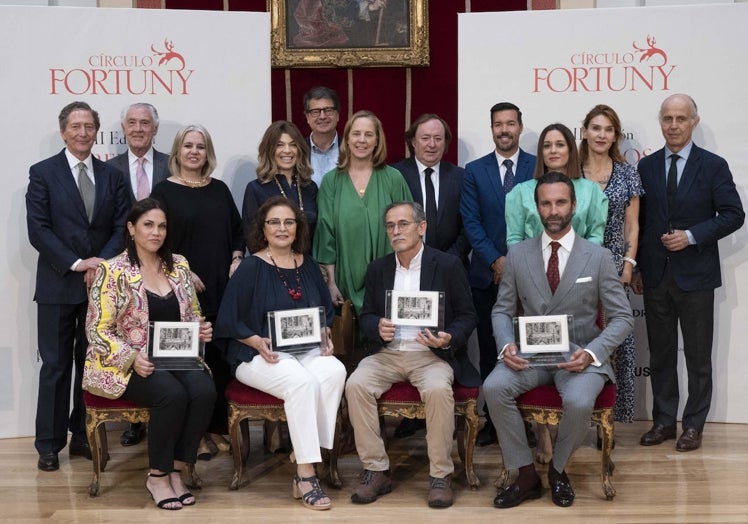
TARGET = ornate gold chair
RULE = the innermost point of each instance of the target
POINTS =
(100, 410)
(403, 400)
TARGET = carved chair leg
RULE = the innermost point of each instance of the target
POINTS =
(93, 442)
(237, 444)
(471, 421)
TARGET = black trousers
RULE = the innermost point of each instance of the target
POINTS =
(62, 342)
(181, 404)
(483, 300)
(666, 306)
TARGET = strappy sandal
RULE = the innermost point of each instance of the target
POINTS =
(311, 498)
(186, 495)
(162, 503)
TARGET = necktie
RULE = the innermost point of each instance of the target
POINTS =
(508, 176)
(87, 189)
(672, 181)
(430, 208)
(552, 271)
(143, 187)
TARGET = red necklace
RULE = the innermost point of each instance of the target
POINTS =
(295, 294)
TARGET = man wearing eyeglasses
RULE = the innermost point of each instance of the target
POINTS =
(322, 107)
(429, 358)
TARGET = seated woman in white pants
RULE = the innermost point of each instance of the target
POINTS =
(278, 276)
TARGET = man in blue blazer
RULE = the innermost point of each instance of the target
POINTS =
(690, 202)
(482, 207)
(73, 230)
(427, 140)
(140, 125)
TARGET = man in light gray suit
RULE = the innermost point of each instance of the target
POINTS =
(143, 166)
(557, 273)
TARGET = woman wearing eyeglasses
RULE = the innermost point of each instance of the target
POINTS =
(283, 169)
(279, 276)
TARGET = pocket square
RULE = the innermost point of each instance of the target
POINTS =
(582, 280)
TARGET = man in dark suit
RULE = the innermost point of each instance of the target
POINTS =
(427, 140)
(557, 273)
(430, 359)
(142, 165)
(486, 183)
(76, 209)
(690, 202)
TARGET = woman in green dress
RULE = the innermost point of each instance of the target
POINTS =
(351, 199)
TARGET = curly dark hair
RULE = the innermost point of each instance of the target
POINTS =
(256, 235)
(138, 210)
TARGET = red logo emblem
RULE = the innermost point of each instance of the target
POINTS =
(650, 51)
(169, 54)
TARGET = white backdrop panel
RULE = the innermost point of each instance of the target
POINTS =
(202, 67)
(556, 65)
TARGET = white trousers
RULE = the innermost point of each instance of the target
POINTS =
(311, 387)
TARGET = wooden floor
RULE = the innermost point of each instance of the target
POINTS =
(655, 484)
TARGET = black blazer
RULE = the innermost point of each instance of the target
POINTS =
(439, 272)
(160, 170)
(451, 234)
(707, 204)
(59, 228)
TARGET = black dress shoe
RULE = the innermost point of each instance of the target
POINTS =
(514, 495)
(133, 435)
(487, 434)
(48, 461)
(657, 435)
(408, 427)
(689, 440)
(561, 490)
(78, 447)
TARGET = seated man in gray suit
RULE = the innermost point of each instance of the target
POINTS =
(143, 166)
(557, 273)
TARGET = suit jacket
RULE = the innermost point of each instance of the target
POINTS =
(439, 272)
(707, 204)
(590, 278)
(59, 228)
(160, 170)
(451, 234)
(117, 321)
(482, 209)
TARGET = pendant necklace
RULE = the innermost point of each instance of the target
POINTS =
(295, 294)
(298, 189)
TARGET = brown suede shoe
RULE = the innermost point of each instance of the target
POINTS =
(440, 492)
(689, 440)
(373, 484)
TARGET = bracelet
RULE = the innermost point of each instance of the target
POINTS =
(629, 260)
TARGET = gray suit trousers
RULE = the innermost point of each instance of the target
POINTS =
(578, 392)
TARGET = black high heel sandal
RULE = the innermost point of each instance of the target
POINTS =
(162, 503)
(186, 495)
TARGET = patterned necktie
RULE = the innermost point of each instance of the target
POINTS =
(508, 176)
(672, 182)
(431, 212)
(143, 186)
(552, 271)
(87, 190)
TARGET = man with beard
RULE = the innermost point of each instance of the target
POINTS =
(487, 181)
(557, 273)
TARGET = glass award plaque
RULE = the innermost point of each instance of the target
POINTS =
(175, 345)
(297, 330)
(544, 340)
(415, 311)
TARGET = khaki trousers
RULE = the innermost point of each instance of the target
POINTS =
(432, 377)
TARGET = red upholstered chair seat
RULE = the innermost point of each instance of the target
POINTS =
(95, 401)
(240, 394)
(403, 400)
(546, 396)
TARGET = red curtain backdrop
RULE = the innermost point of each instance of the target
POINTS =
(381, 89)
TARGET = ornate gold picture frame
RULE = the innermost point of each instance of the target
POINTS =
(349, 33)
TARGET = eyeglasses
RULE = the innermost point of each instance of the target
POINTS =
(276, 223)
(402, 224)
(322, 110)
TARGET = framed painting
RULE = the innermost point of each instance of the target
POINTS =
(349, 33)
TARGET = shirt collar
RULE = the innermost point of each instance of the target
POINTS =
(414, 264)
(333, 144)
(73, 162)
(566, 241)
(514, 158)
(683, 153)
(133, 159)
(422, 167)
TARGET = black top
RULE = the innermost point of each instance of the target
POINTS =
(257, 193)
(256, 289)
(163, 308)
(205, 227)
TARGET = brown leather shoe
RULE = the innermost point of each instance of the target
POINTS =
(373, 484)
(440, 492)
(689, 440)
(657, 435)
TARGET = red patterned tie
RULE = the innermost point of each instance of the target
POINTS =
(552, 271)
